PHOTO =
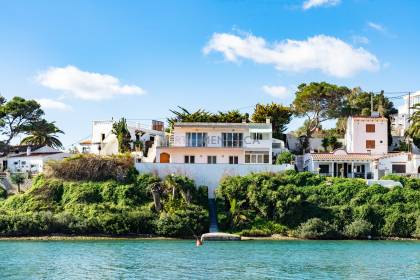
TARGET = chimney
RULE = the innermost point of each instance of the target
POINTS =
(28, 151)
(267, 120)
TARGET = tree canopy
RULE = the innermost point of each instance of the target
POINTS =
(43, 133)
(21, 116)
(318, 102)
(278, 114)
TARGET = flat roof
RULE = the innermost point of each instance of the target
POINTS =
(230, 125)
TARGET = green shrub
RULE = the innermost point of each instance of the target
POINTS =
(358, 229)
(3, 192)
(399, 225)
(285, 157)
(254, 232)
(187, 222)
(316, 228)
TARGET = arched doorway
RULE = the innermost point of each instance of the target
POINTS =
(164, 158)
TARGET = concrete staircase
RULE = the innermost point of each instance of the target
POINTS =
(213, 216)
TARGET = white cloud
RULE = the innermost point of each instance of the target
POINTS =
(85, 85)
(328, 54)
(276, 91)
(360, 40)
(319, 3)
(53, 104)
(377, 26)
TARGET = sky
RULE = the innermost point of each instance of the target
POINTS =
(96, 60)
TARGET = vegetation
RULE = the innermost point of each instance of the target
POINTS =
(311, 206)
(279, 116)
(414, 130)
(318, 102)
(89, 167)
(120, 130)
(285, 157)
(183, 115)
(330, 143)
(56, 206)
(43, 133)
(18, 179)
(20, 116)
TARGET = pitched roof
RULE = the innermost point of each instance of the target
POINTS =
(343, 157)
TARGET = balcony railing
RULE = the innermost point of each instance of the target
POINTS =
(365, 175)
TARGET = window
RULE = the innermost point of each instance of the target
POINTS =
(370, 128)
(211, 159)
(189, 159)
(324, 168)
(233, 159)
(102, 136)
(398, 168)
(256, 136)
(257, 158)
(232, 139)
(196, 139)
(370, 144)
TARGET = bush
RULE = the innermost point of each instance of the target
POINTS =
(187, 222)
(254, 232)
(358, 229)
(92, 168)
(316, 228)
(285, 157)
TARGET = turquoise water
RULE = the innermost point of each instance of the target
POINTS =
(163, 259)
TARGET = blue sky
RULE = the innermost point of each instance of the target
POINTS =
(90, 60)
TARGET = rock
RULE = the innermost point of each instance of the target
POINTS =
(220, 236)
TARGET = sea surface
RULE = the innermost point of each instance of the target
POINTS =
(181, 259)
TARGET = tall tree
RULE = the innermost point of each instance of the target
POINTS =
(120, 130)
(318, 102)
(18, 116)
(43, 133)
(414, 130)
(278, 114)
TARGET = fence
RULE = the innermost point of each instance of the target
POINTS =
(208, 174)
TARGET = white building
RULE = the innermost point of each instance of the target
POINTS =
(400, 121)
(104, 142)
(220, 143)
(365, 155)
(31, 160)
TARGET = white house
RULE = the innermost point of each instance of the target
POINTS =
(220, 143)
(365, 154)
(104, 142)
(31, 160)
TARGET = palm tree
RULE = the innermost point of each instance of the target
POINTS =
(43, 133)
(414, 130)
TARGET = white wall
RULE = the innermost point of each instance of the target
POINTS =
(32, 163)
(356, 135)
(208, 174)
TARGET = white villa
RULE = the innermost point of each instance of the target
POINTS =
(400, 121)
(104, 142)
(30, 159)
(365, 154)
(221, 143)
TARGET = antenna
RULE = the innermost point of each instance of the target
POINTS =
(371, 104)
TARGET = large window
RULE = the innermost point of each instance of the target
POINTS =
(257, 158)
(232, 139)
(398, 168)
(196, 139)
(233, 159)
(370, 144)
(211, 159)
(189, 159)
(370, 128)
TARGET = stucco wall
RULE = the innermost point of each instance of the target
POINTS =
(356, 136)
(208, 174)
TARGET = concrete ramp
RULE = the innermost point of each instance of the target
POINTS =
(220, 236)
